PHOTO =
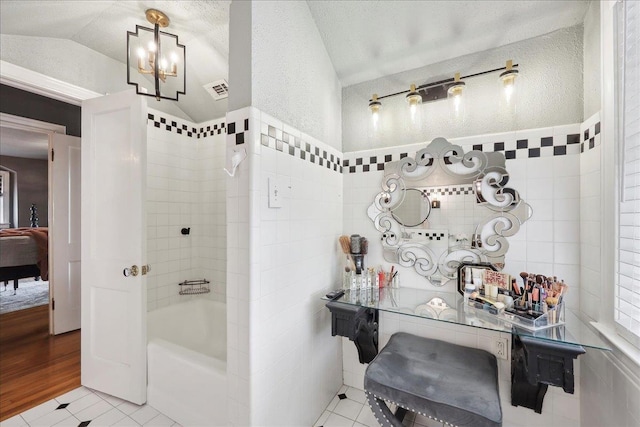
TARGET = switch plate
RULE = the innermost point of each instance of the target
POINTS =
(275, 193)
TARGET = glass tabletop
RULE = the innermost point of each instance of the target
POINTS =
(448, 307)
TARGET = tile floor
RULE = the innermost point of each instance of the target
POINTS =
(85, 407)
(349, 408)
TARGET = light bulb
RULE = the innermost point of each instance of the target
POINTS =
(508, 79)
(413, 108)
(174, 57)
(457, 100)
(508, 91)
(163, 64)
(141, 53)
(152, 47)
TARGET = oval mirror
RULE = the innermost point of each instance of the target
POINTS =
(414, 208)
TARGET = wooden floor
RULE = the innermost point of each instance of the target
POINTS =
(34, 366)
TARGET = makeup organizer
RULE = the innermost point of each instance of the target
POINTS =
(536, 305)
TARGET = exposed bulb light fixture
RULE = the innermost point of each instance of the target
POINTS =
(455, 91)
(375, 106)
(508, 79)
(413, 99)
(162, 58)
(447, 88)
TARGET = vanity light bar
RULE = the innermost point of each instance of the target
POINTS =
(446, 82)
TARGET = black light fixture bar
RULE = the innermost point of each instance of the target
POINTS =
(422, 88)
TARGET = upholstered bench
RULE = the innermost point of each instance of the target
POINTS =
(447, 382)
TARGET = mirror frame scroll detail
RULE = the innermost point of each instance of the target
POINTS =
(442, 163)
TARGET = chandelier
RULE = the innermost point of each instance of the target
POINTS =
(155, 60)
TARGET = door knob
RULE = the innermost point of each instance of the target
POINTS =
(146, 269)
(133, 271)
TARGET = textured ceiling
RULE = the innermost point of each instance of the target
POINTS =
(370, 39)
(203, 26)
(365, 39)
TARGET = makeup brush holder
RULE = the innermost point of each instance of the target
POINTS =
(358, 260)
(534, 320)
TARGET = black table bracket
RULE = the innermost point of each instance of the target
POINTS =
(537, 364)
(359, 324)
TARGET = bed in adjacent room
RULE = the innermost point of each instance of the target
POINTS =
(24, 252)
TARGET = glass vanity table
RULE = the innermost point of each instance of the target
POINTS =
(539, 358)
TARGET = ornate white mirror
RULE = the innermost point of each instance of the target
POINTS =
(445, 207)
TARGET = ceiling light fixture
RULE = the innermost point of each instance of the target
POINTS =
(155, 60)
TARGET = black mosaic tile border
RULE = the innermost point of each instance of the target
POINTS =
(181, 128)
(431, 235)
(590, 138)
(450, 191)
(547, 146)
(240, 130)
(295, 147)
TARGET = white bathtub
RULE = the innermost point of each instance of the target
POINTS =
(187, 362)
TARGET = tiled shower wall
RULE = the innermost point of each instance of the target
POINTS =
(279, 330)
(185, 188)
(544, 167)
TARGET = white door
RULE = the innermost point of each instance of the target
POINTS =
(114, 307)
(64, 233)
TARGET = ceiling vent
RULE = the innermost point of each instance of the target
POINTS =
(218, 89)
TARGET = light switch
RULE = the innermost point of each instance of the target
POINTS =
(275, 193)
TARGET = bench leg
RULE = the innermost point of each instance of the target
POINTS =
(383, 414)
(15, 286)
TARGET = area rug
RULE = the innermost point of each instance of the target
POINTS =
(29, 294)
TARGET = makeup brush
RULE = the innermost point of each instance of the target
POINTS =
(524, 276)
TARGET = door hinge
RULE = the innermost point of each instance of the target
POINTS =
(53, 304)
(53, 153)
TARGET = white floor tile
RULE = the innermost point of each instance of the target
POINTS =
(126, 422)
(357, 395)
(51, 418)
(69, 422)
(40, 410)
(333, 403)
(144, 414)
(348, 408)
(366, 417)
(426, 422)
(73, 395)
(336, 420)
(114, 401)
(94, 411)
(83, 403)
(128, 408)
(108, 418)
(16, 421)
(160, 421)
(322, 419)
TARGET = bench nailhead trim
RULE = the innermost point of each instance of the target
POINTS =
(408, 409)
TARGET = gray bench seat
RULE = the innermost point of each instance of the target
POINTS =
(444, 381)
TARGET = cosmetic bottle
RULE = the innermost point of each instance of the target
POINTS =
(469, 288)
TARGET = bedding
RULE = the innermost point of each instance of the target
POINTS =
(24, 252)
